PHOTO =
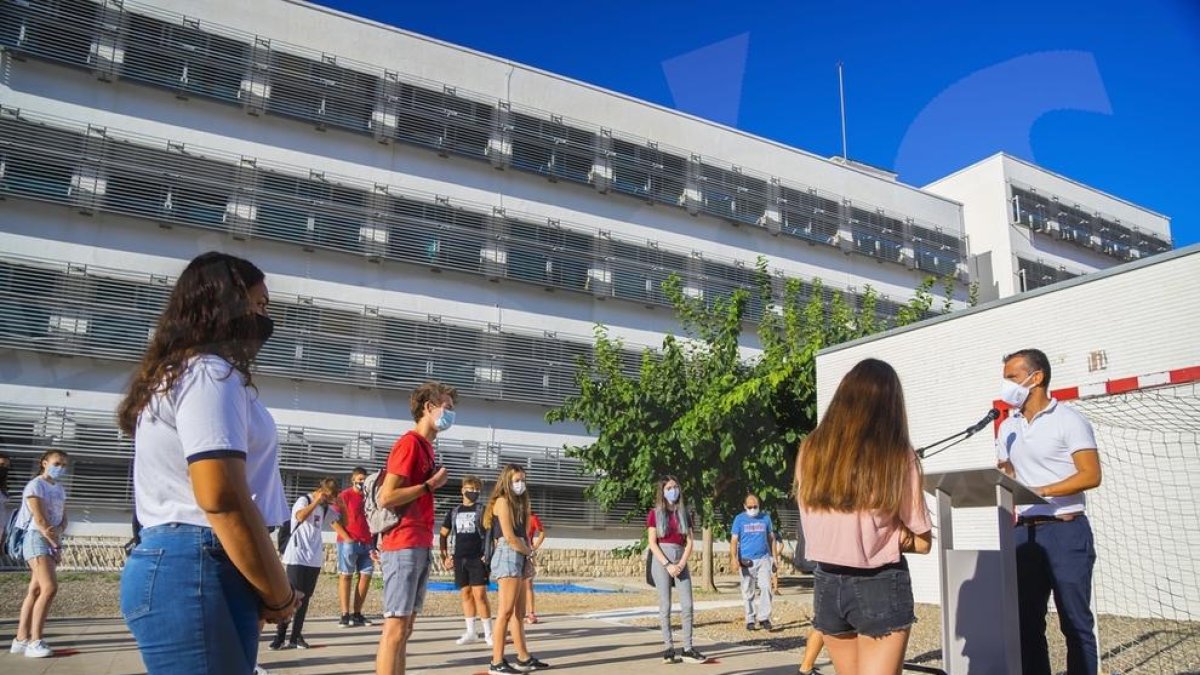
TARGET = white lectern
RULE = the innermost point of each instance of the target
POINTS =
(979, 588)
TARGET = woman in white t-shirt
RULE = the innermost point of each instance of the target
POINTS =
(43, 516)
(305, 553)
(205, 479)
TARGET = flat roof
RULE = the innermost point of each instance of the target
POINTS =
(609, 92)
(1088, 278)
(1002, 155)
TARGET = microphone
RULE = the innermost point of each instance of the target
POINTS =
(965, 434)
(987, 419)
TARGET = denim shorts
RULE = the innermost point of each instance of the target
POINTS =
(507, 562)
(189, 609)
(405, 575)
(34, 545)
(870, 602)
(355, 556)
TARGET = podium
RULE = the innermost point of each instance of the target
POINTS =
(979, 587)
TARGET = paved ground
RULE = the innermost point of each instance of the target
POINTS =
(596, 644)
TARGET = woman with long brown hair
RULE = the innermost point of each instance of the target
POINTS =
(669, 540)
(193, 591)
(861, 507)
(506, 520)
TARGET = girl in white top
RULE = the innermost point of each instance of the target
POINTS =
(206, 479)
(43, 517)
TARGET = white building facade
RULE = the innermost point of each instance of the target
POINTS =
(1028, 227)
(422, 211)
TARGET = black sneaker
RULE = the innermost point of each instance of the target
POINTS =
(276, 644)
(693, 656)
(346, 621)
(360, 620)
(750, 626)
(299, 643)
(503, 668)
(766, 625)
(669, 656)
(531, 664)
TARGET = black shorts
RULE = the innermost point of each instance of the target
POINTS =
(469, 572)
(871, 602)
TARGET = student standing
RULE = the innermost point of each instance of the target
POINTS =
(862, 507)
(43, 516)
(355, 546)
(507, 521)
(409, 482)
(669, 535)
(465, 523)
(205, 479)
(304, 555)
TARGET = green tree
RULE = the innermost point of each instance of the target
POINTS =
(701, 408)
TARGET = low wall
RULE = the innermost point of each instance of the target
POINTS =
(108, 554)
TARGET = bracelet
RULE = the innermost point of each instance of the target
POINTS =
(427, 487)
(290, 601)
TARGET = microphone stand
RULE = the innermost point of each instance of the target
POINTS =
(965, 434)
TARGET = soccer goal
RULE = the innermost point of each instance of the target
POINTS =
(1146, 519)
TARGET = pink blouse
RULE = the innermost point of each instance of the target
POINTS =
(865, 539)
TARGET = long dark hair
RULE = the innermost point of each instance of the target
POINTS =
(857, 457)
(208, 312)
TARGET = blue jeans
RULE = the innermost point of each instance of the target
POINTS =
(1056, 558)
(188, 607)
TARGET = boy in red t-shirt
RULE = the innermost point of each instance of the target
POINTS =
(355, 546)
(408, 487)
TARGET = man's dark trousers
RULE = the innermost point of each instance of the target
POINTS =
(1056, 558)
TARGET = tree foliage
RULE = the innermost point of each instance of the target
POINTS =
(723, 419)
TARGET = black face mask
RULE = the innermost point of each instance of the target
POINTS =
(471, 495)
(264, 327)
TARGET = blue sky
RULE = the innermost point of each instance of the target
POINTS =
(1105, 92)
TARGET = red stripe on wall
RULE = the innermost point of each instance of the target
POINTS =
(1122, 385)
(1185, 375)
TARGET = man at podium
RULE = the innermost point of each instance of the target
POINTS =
(1051, 448)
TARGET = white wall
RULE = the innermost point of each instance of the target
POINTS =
(981, 190)
(1144, 316)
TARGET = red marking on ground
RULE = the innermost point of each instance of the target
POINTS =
(64, 652)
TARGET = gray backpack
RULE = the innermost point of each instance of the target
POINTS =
(378, 519)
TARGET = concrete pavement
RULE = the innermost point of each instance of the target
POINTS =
(598, 644)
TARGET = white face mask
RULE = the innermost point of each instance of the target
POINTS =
(1015, 394)
(518, 487)
(752, 512)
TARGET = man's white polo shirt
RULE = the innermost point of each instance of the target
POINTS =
(1040, 450)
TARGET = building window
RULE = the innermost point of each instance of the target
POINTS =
(55, 30)
(552, 148)
(184, 58)
(809, 216)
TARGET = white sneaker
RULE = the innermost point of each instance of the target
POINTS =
(259, 670)
(38, 649)
(18, 646)
(488, 640)
(466, 639)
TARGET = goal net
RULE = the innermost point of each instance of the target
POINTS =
(1146, 521)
